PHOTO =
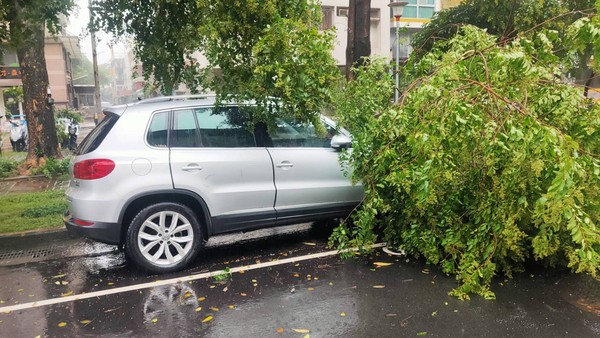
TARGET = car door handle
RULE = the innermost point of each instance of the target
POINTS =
(285, 164)
(191, 167)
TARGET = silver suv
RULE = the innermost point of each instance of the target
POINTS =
(160, 176)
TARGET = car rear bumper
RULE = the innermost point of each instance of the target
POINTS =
(109, 233)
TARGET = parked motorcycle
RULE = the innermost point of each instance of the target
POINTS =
(18, 135)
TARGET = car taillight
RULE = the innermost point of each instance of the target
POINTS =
(93, 169)
(83, 223)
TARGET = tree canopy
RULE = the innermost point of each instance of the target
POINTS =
(251, 49)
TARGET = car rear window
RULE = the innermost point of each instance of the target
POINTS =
(97, 135)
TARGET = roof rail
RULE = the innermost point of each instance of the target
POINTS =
(175, 98)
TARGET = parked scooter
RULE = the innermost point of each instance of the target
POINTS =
(73, 130)
(18, 135)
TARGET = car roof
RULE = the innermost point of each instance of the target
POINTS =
(163, 102)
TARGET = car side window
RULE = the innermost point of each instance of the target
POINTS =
(185, 133)
(158, 130)
(224, 127)
(291, 134)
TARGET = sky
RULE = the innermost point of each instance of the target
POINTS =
(78, 21)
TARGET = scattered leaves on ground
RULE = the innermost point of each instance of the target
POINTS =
(382, 264)
(378, 286)
(85, 321)
(243, 294)
(198, 309)
(422, 333)
(309, 243)
(301, 330)
(201, 299)
(154, 320)
(343, 314)
(216, 309)
(62, 324)
(280, 330)
(207, 319)
(66, 294)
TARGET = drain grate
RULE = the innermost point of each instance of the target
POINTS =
(29, 254)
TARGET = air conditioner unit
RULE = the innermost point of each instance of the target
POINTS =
(342, 11)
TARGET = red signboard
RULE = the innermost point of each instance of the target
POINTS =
(10, 72)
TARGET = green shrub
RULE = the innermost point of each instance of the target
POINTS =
(55, 167)
(488, 160)
(8, 168)
(70, 114)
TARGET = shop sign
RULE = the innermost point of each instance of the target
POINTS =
(10, 72)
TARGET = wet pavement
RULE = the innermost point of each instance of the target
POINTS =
(321, 297)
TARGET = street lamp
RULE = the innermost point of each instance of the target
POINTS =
(397, 10)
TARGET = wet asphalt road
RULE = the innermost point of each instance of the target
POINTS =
(323, 297)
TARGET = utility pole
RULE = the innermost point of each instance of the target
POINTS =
(113, 74)
(97, 101)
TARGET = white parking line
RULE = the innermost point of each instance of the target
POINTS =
(137, 287)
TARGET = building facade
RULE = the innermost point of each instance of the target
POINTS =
(59, 52)
(335, 14)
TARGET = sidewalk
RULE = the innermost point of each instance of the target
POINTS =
(30, 184)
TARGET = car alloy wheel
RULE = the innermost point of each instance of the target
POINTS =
(163, 237)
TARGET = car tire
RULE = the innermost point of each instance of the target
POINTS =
(164, 237)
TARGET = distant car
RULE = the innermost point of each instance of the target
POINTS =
(160, 176)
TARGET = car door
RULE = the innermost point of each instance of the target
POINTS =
(213, 154)
(309, 179)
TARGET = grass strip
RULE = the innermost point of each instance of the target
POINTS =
(32, 211)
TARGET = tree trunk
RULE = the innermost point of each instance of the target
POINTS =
(359, 34)
(588, 83)
(43, 141)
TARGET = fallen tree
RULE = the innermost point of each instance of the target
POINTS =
(488, 160)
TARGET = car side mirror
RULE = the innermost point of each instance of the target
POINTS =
(340, 141)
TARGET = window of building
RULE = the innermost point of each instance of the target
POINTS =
(419, 9)
(9, 58)
(327, 12)
(375, 13)
(342, 11)
(86, 100)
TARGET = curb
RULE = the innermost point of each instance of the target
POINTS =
(53, 230)
(18, 178)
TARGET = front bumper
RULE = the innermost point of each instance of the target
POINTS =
(109, 233)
